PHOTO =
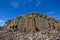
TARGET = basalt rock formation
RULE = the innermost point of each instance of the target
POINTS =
(32, 26)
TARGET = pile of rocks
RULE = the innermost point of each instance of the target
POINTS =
(32, 26)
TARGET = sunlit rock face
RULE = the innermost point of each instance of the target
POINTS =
(31, 26)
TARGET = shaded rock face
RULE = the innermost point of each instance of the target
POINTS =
(33, 26)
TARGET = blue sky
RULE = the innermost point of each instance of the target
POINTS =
(11, 8)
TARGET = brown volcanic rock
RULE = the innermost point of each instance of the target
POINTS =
(33, 26)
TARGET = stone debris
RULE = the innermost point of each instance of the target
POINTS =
(32, 26)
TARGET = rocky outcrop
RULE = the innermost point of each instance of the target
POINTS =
(32, 26)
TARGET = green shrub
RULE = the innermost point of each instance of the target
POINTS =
(1, 27)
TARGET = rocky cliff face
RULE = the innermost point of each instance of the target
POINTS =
(32, 26)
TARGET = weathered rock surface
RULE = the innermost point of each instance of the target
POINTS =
(32, 26)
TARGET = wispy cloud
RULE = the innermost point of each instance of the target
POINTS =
(50, 12)
(38, 3)
(1, 21)
(15, 4)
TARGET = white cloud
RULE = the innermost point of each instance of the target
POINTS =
(50, 12)
(1, 21)
(15, 4)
